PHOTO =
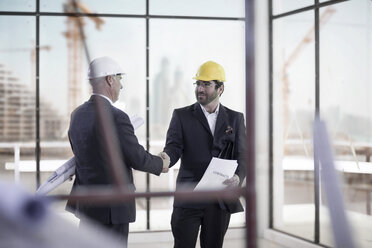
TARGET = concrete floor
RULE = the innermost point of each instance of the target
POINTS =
(234, 238)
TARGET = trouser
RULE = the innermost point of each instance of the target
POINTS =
(120, 230)
(186, 222)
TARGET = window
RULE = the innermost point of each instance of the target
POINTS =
(137, 7)
(294, 110)
(173, 63)
(206, 8)
(337, 86)
(17, 5)
(282, 6)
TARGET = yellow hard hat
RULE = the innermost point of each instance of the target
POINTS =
(210, 71)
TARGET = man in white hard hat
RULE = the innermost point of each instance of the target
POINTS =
(87, 138)
(197, 133)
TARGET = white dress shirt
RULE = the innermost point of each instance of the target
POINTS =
(211, 117)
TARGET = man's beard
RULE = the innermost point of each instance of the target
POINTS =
(205, 99)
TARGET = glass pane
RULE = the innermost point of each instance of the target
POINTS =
(120, 39)
(346, 106)
(95, 6)
(218, 8)
(294, 110)
(63, 81)
(177, 49)
(173, 63)
(17, 5)
(17, 99)
(282, 6)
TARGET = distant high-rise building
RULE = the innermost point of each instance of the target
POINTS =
(18, 116)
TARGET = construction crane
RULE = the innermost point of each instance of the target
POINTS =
(308, 38)
(75, 50)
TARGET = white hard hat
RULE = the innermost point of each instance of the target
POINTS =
(102, 67)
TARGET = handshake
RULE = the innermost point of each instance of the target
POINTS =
(166, 161)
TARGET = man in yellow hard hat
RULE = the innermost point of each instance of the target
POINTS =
(89, 144)
(196, 134)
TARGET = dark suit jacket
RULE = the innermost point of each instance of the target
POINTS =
(92, 161)
(189, 138)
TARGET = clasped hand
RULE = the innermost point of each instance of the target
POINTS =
(166, 161)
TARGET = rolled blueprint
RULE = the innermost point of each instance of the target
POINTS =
(59, 176)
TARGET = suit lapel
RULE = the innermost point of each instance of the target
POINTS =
(199, 115)
(222, 121)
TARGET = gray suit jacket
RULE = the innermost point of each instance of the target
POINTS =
(189, 138)
(86, 138)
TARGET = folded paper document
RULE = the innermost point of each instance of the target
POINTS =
(67, 170)
(217, 172)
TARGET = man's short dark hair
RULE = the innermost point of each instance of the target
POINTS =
(218, 84)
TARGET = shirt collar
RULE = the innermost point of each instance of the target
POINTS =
(207, 113)
(108, 99)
